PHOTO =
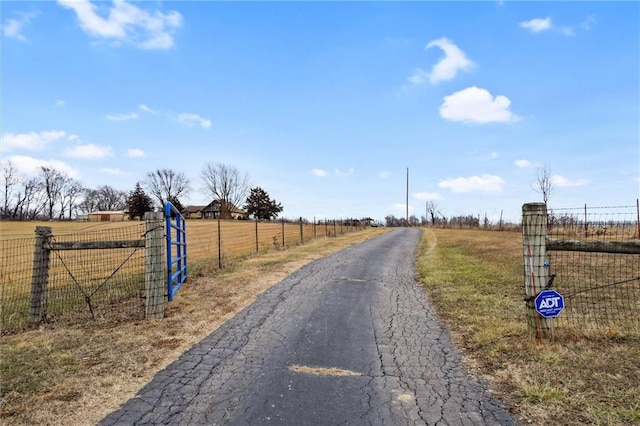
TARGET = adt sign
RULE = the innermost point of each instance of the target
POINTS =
(549, 303)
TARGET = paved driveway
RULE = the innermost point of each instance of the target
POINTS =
(347, 340)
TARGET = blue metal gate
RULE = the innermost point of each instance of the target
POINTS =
(176, 249)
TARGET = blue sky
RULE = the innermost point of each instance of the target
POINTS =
(326, 104)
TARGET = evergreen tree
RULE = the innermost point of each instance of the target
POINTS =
(138, 202)
(261, 206)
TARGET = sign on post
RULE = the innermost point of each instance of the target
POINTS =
(549, 303)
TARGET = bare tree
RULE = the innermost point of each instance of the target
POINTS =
(166, 184)
(544, 184)
(111, 199)
(104, 198)
(226, 184)
(10, 178)
(90, 201)
(69, 196)
(432, 212)
(30, 200)
(52, 182)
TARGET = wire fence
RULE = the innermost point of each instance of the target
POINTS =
(213, 244)
(81, 283)
(593, 261)
(100, 274)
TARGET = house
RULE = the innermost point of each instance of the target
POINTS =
(193, 212)
(106, 216)
(211, 211)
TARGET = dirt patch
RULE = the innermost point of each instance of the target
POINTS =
(319, 371)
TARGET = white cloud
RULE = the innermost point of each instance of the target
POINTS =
(59, 103)
(88, 151)
(563, 182)
(482, 183)
(344, 173)
(476, 105)
(537, 25)
(14, 27)
(113, 171)
(587, 24)
(125, 22)
(122, 117)
(30, 166)
(494, 155)
(194, 119)
(135, 153)
(145, 108)
(453, 61)
(384, 174)
(32, 141)
(319, 172)
(427, 196)
(418, 77)
(525, 164)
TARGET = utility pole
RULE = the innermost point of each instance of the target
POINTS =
(407, 200)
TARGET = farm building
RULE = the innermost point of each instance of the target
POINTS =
(106, 216)
(211, 211)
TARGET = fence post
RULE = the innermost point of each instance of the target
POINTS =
(301, 232)
(154, 266)
(638, 214)
(256, 234)
(536, 274)
(40, 274)
(282, 221)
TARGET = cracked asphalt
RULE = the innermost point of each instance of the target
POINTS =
(346, 340)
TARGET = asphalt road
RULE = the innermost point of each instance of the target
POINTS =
(347, 340)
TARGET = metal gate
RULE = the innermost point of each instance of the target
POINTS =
(176, 249)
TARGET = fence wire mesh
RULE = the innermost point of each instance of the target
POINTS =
(97, 283)
(16, 266)
(601, 290)
(109, 283)
(216, 243)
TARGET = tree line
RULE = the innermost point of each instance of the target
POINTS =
(51, 194)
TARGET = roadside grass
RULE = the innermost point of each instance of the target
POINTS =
(77, 374)
(475, 280)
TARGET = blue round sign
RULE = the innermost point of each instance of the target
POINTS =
(549, 303)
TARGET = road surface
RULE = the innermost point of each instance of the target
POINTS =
(347, 340)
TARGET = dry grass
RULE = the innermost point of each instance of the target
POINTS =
(75, 375)
(73, 273)
(475, 279)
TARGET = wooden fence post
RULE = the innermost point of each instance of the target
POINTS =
(155, 275)
(257, 235)
(40, 274)
(301, 232)
(536, 273)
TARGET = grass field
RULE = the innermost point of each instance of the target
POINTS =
(77, 374)
(74, 275)
(475, 279)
